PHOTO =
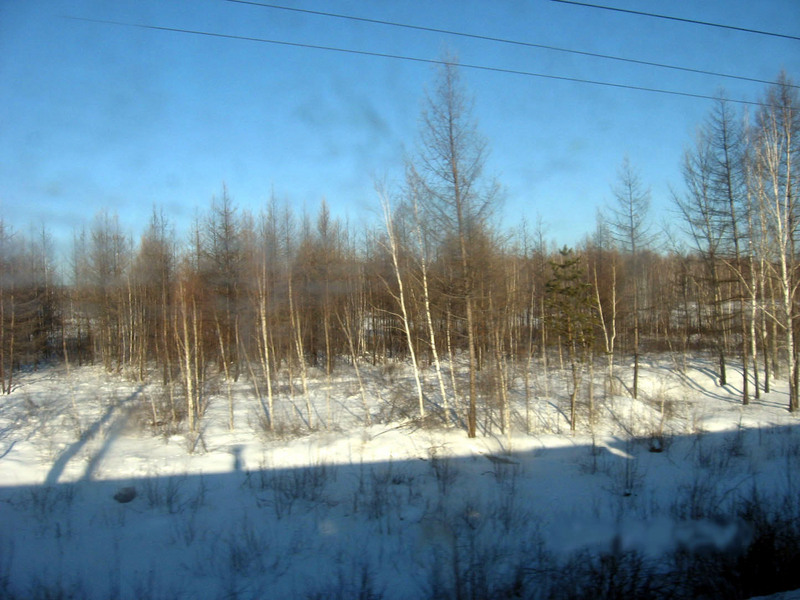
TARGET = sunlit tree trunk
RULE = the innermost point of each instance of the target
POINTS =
(776, 146)
(401, 300)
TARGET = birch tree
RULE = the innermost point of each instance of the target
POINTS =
(603, 266)
(400, 297)
(777, 166)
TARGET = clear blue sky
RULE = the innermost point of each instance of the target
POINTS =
(99, 116)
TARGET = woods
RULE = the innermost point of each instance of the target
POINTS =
(278, 296)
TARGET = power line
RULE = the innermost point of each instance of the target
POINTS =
(430, 61)
(498, 40)
(680, 19)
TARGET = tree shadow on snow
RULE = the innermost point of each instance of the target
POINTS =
(490, 525)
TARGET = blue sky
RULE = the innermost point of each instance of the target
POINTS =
(96, 116)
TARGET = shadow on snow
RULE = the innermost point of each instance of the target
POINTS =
(438, 525)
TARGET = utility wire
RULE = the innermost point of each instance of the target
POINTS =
(497, 40)
(680, 19)
(430, 61)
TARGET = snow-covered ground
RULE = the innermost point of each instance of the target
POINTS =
(96, 504)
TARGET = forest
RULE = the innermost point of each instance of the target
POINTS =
(277, 298)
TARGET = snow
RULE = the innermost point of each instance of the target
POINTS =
(392, 510)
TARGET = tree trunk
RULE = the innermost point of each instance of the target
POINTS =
(401, 299)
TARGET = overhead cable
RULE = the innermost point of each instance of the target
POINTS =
(497, 40)
(680, 19)
(410, 59)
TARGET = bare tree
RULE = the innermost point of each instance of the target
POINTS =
(108, 261)
(400, 296)
(263, 252)
(603, 264)
(631, 231)
(296, 320)
(727, 152)
(221, 262)
(706, 221)
(153, 272)
(189, 345)
(423, 259)
(29, 312)
(450, 167)
(777, 169)
(8, 287)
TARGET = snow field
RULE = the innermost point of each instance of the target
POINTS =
(391, 510)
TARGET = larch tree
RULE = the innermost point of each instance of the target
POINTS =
(630, 229)
(108, 262)
(29, 312)
(221, 270)
(726, 139)
(153, 272)
(455, 199)
(705, 216)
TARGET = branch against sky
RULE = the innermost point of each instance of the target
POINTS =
(629, 215)
(456, 198)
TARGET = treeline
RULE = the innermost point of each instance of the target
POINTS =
(437, 285)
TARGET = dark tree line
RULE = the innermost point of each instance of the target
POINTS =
(271, 295)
